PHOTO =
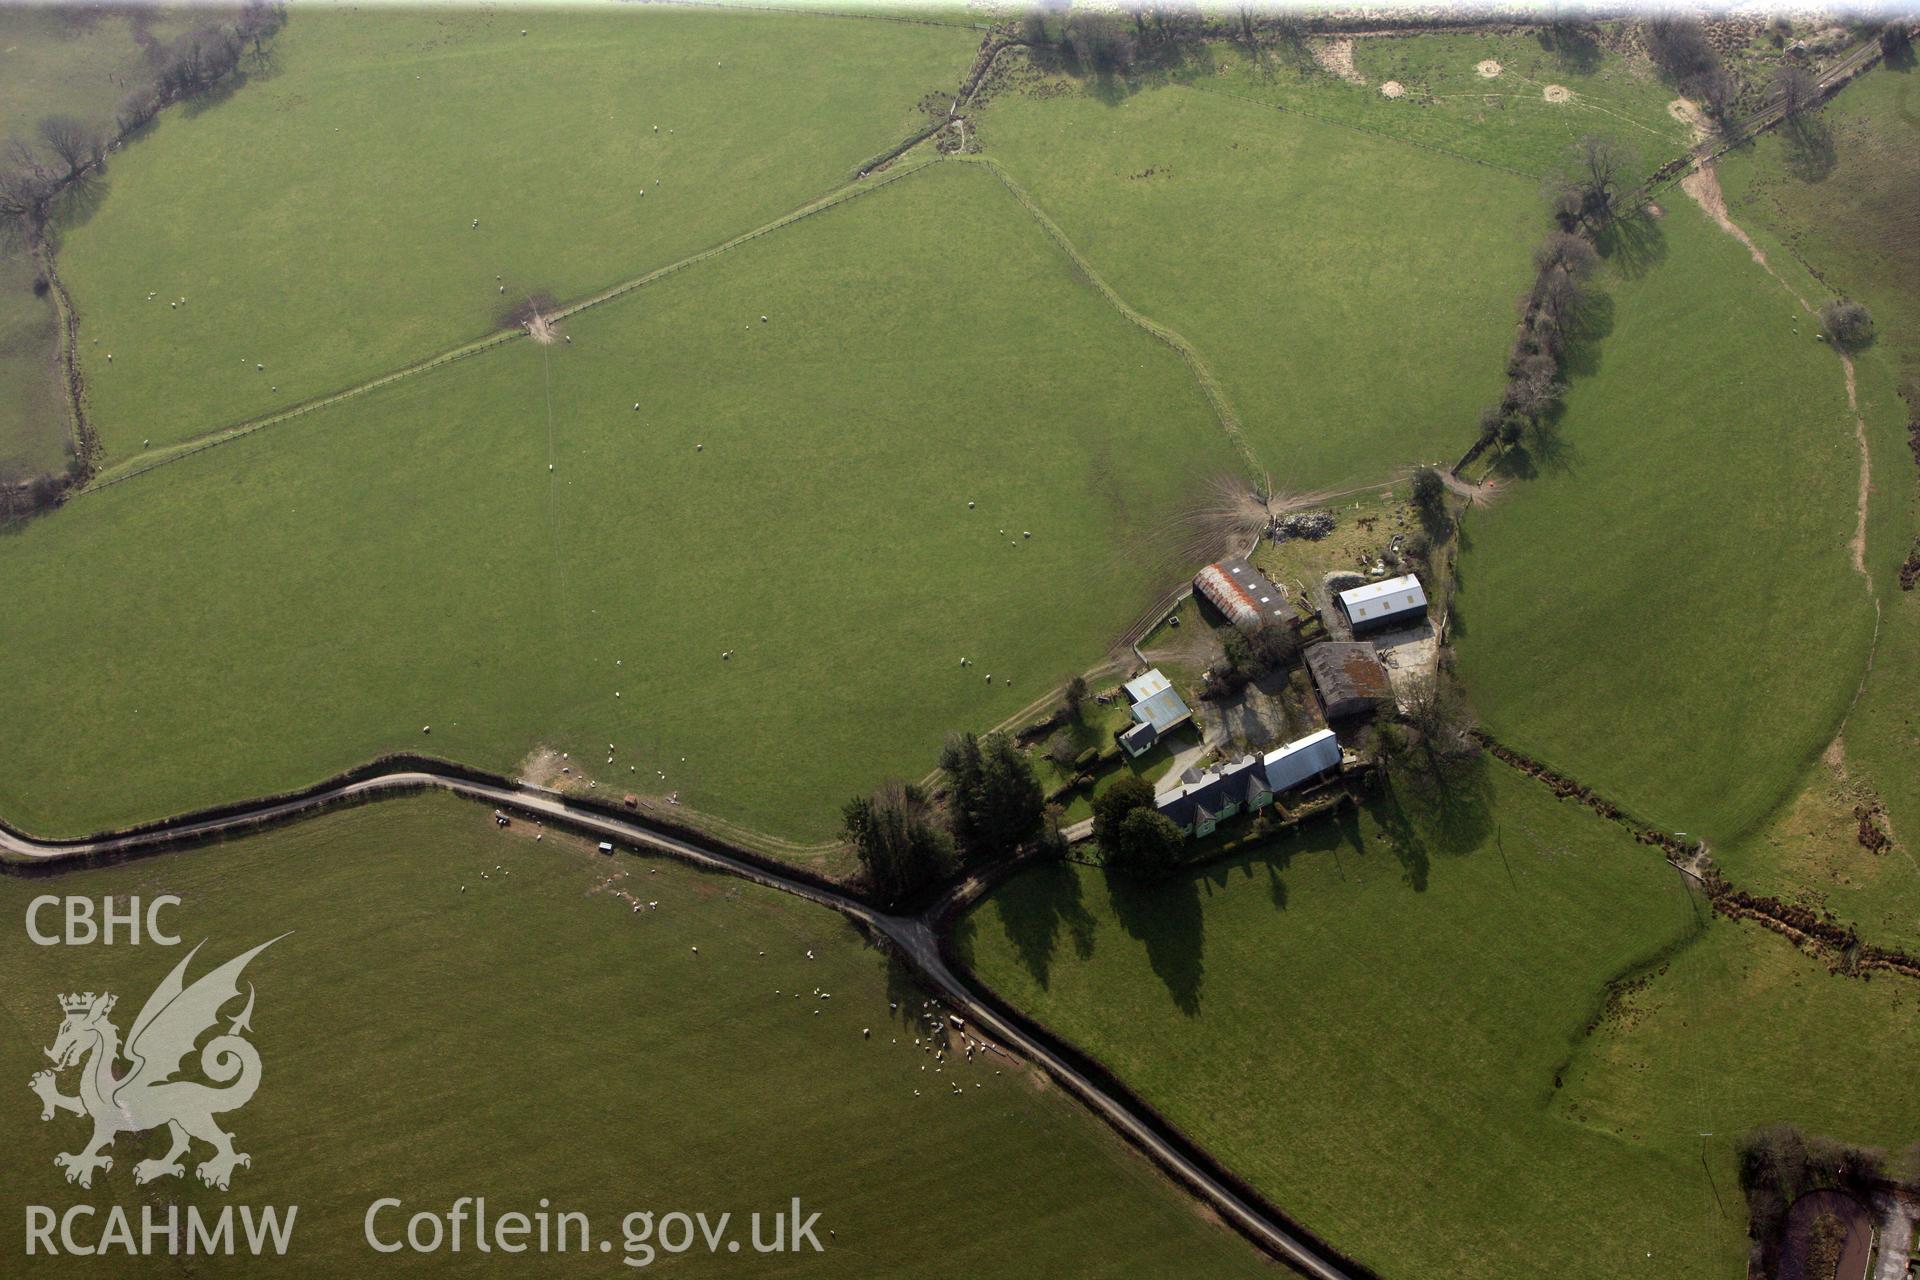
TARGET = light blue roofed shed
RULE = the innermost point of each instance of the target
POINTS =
(1157, 709)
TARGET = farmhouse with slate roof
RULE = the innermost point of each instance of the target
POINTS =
(1249, 783)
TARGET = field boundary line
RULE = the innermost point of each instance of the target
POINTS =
(1815, 933)
(839, 196)
(1209, 384)
(230, 434)
(478, 346)
(86, 442)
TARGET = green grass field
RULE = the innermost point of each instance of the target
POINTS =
(33, 423)
(1353, 293)
(1837, 196)
(535, 1037)
(1385, 1026)
(339, 241)
(1668, 611)
(1505, 120)
(1829, 207)
(78, 63)
(795, 492)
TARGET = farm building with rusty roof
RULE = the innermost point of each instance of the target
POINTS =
(1349, 677)
(1242, 594)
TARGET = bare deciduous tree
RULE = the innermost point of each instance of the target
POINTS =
(1796, 88)
(24, 192)
(74, 142)
(1587, 190)
(1434, 737)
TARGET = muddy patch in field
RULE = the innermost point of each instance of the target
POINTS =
(1336, 58)
(531, 313)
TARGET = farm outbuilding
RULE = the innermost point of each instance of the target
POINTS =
(1301, 760)
(1349, 677)
(1386, 603)
(1157, 710)
(1243, 595)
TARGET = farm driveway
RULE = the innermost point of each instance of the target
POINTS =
(1897, 1218)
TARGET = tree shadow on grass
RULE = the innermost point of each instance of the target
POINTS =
(257, 68)
(1546, 448)
(1516, 463)
(78, 202)
(1632, 243)
(1446, 815)
(1574, 48)
(1811, 154)
(1591, 327)
(1033, 910)
(1166, 916)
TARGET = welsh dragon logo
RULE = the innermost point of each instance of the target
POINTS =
(148, 1096)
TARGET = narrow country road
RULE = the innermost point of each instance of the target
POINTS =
(915, 938)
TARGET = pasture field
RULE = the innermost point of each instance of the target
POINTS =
(535, 1037)
(794, 492)
(340, 242)
(1838, 197)
(1667, 610)
(1353, 294)
(1828, 206)
(78, 63)
(1478, 1042)
(34, 438)
(1506, 120)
